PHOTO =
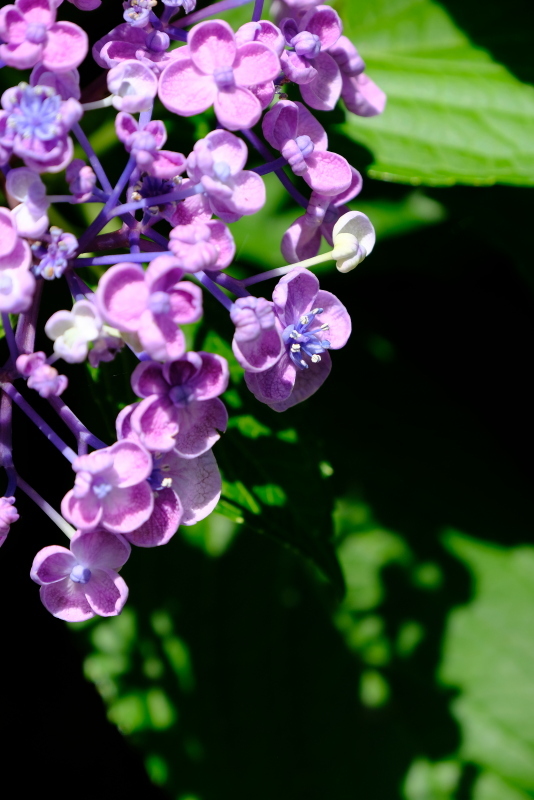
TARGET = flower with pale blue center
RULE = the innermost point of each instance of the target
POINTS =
(37, 113)
(80, 574)
(54, 255)
(300, 340)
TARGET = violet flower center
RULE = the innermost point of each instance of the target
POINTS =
(36, 33)
(157, 479)
(80, 574)
(306, 44)
(301, 340)
(159, 303)
(37, 113)
(305, 145)
(181, 395)
(224, 78)
(102, 488)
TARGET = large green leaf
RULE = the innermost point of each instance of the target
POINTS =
(489, 656)
(453, 115)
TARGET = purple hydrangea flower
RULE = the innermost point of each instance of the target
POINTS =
(309, 64)
(181, 409)
(30, 215)
(257, 343)
(185, 490)
(213, 70)
(291, 128)
(72, 331)
(133, 86)
(8, 515)
(359, 93)
(82, 582)
(35, 124)
(311, 321)
(17, 284)
(145, 145)
(81, 180)
(53, 253)
(202, 246)
(150, 305)
(31, 35)
(126, 43)
(111, 490)
(217, 163)
(42, 377)
(303, 237)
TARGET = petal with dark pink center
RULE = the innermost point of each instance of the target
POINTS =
(52, 564)
(147, 378)
(12, 25)
(155, 421)
(212, 378)
(122, 296)
(131, 463)
(160, 336)
(66, 600)
(66, 47)
(106, 592)
(84, 512)
(211, 46)
(237, 109)
(126, 509)
(255, 63)
(180, 372)
(163, 522)
(185, 90)
(199, 423)
(100, 549)
(40, 12)
(186, 303)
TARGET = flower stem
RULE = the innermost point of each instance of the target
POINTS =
(6, 454)
(258, 9)
(270, 166)
(38, 421)
(62, 524)
(154, 201)
(92, 156)
(104, 216)
(264, 151)
(210, 11)
(275, 273)
(105, 103)
(232, 284)
(74, 424)
(10, 337)
(213, 289)
(101, 261)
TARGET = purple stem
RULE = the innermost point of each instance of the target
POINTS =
(270, 166)
(104, 216)
(26, 326)
(6, 455)
(74, 424)
(92, 156)
(154, 201)
(213, 289)
(264, 151)
(133, 238)
(62, 524)
(101, 261)
(264, 276)
(155, 236)
(258, 9)
(10, 337)
(210, 11)
(38, 421)
(74, 285)
(232, 284)
(176, 33)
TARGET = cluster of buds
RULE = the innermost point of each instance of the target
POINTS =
(177, 211)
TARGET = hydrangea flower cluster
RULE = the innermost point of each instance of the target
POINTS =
(174, 245)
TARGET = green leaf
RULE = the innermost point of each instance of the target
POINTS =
(488, 655)
(453, 115)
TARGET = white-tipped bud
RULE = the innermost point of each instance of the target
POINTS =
(354, 237)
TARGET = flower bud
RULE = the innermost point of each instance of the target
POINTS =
(354, 238)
